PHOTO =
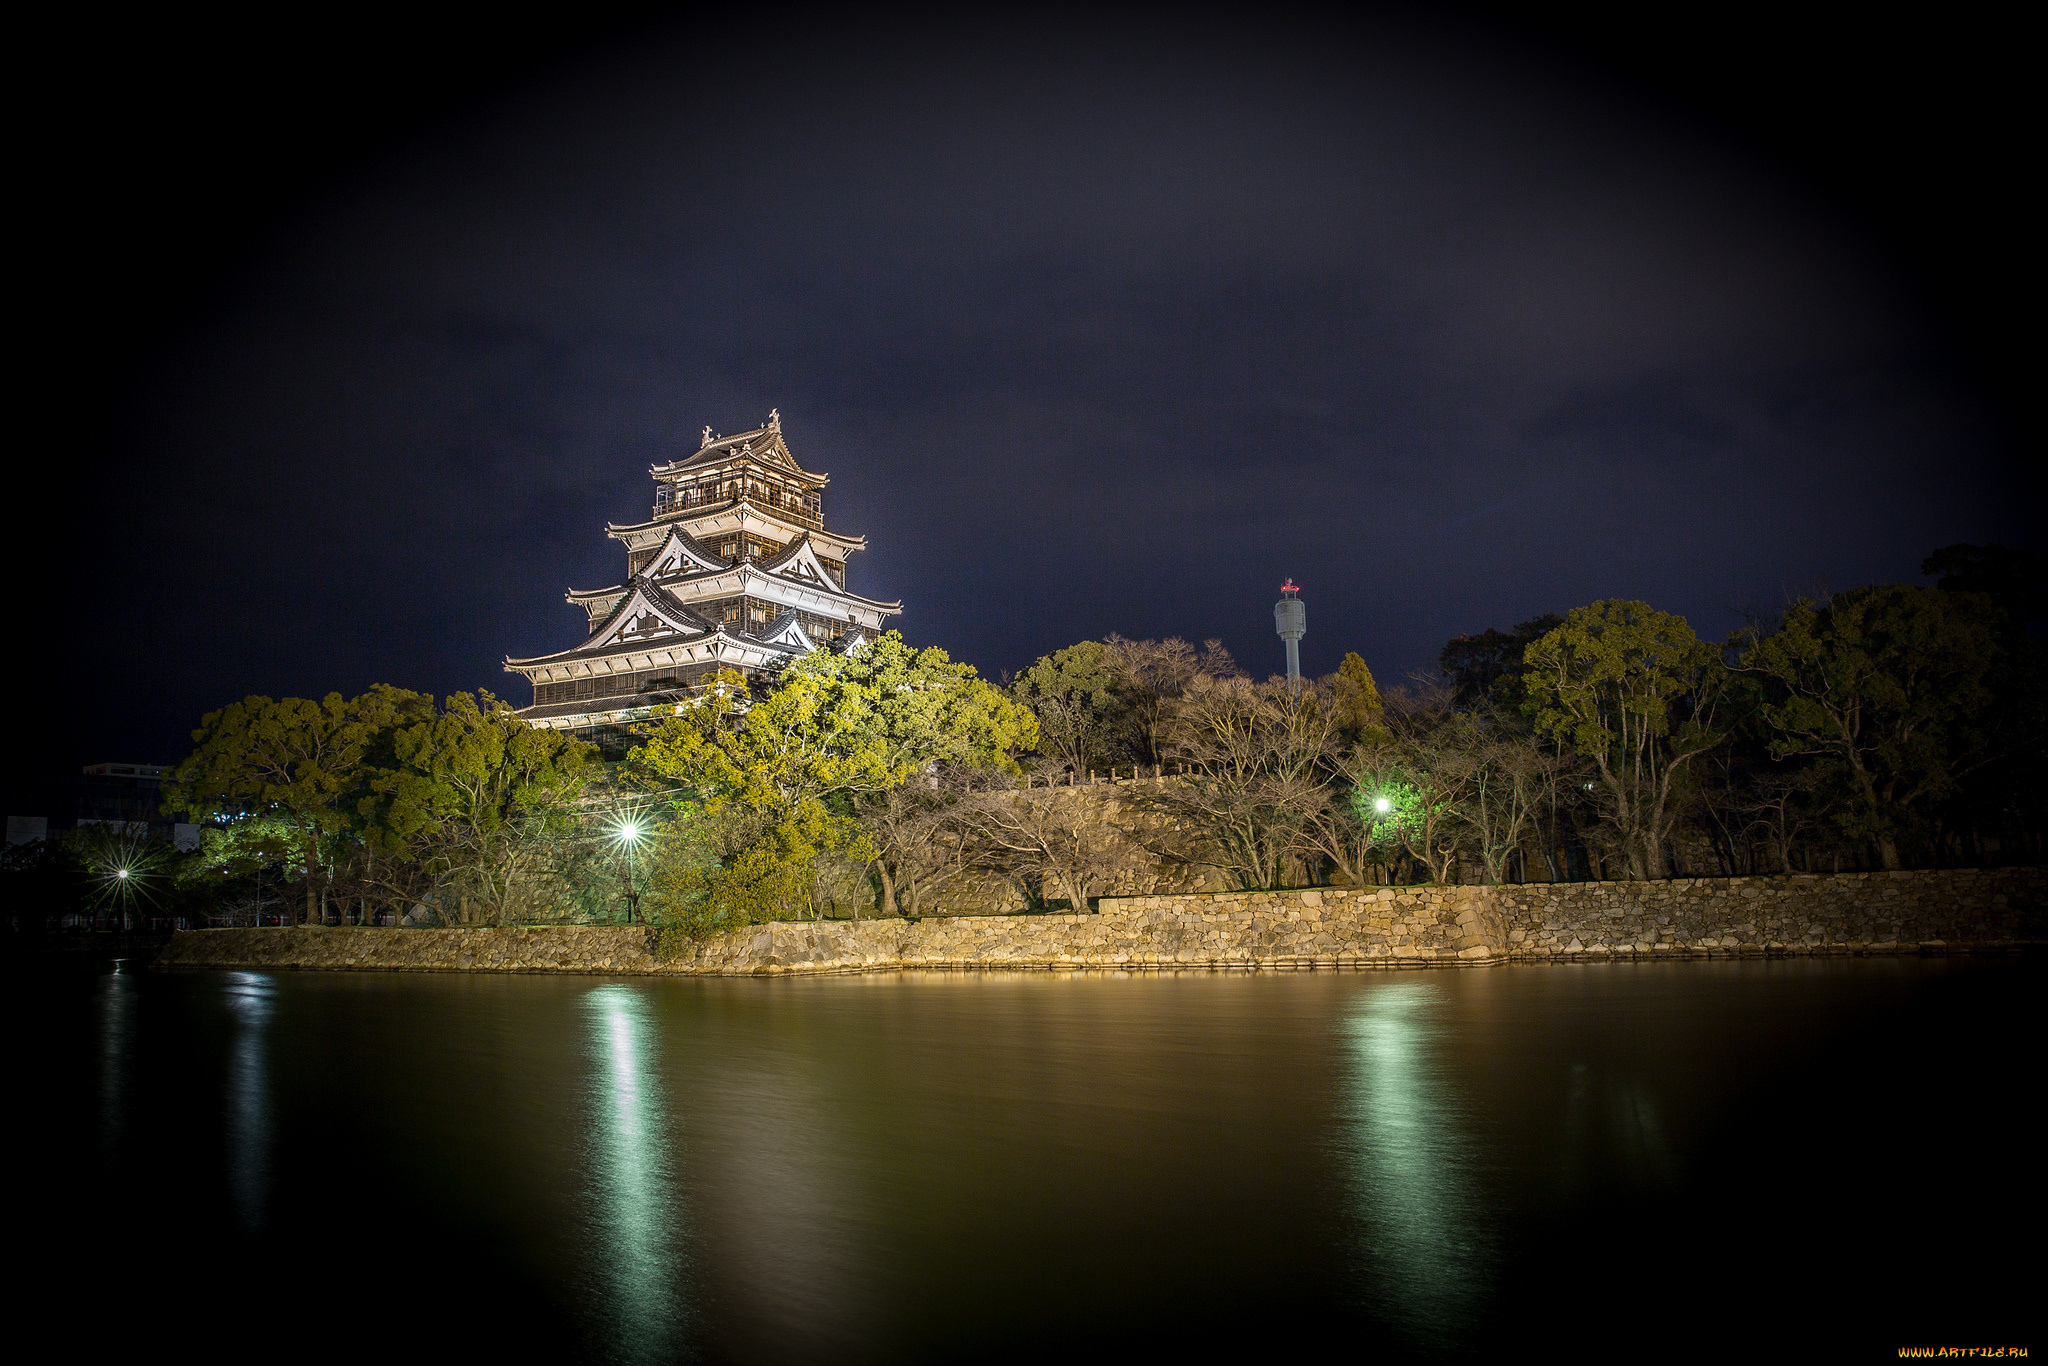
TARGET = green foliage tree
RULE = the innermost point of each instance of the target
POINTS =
(1488, 667)
(1887, 681)
(1080, 696)
(1427, 767)
(294, 758)
(235, 853)
(780, 778)
(918, 706)
(480, 797)
(762, 770)
(1634, 691)
(1360, 711)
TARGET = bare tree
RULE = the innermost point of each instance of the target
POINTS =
(1254, 757)
(1338, 830)
(1782, 807)
(1155, 673)
(1514, 777)
(1423, 776)
(1045, 839)
(921, 833)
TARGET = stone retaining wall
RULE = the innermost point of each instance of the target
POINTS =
(1798, 913)
(1320, 927)
(540, 948)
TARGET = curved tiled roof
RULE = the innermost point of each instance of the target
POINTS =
(764, 443)
(639, 588)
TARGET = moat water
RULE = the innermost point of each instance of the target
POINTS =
(1609, 1160)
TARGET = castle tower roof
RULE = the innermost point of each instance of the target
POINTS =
(686, 608)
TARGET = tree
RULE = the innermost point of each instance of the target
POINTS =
(1488, 667)
(762, 769)
(1888, 680)
(1045, 839)
(234, 853)
(1782, 807)
(1254, 757)
(1360, 711)
(1426, 769)
(1152, 673)
(938, 723)
(1634, 691)
(1514, 779)
(914, 831)
(298, 759)
(2007, 799)
(919, 706)
(1085, 712)
(2016, 582)
(478, 796)
(782, 777)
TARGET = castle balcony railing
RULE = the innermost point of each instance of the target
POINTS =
(803, 516)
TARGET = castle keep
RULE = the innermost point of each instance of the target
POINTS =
(735, 569)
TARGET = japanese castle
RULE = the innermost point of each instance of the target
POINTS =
(734, 570)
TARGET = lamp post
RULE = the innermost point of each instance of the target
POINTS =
(627, 838)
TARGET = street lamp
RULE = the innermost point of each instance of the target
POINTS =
(626, 835)
(1382, 805)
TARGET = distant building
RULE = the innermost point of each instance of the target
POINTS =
(735, 569)
(110, 795)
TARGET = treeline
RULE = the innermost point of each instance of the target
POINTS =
(747, 805)
(1885, 727)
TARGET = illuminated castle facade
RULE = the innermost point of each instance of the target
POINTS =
(734, 570)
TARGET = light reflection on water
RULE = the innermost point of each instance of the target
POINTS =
(931, 1167)
(633, 1209)
(1614, 1133)
(116, 1022)
(251, 999)
(1412, 1172)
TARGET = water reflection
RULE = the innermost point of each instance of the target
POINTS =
(1614, 1133)
(633, 1214)
(251, 999)
(1413, 1182)
(116, 1011)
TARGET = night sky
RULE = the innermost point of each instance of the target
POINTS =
(351, 344)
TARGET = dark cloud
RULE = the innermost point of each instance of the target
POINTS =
(1097, 328)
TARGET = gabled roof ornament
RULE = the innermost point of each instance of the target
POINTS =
(775, 419)
(706, 441)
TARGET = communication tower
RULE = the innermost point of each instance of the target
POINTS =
(1290, 623)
